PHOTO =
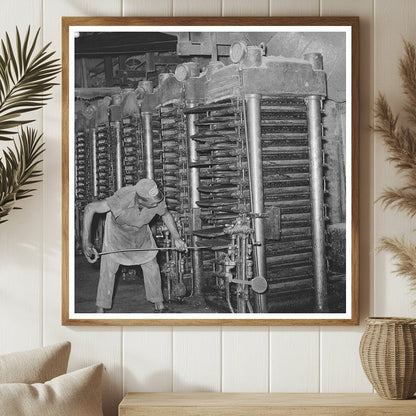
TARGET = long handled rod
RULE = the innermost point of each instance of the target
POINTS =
(96, 254)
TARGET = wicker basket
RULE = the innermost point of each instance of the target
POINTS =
(388, 356)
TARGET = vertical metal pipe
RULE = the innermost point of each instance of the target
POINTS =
(94, 163)
(194, 197)
(313, 103)
(242, 264)
(342, 155)
(84, 73)
(214, 51)
(119, 161)
(148, 145)
(255, 161)
(193, 156)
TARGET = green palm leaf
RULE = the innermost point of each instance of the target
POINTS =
(19, 169)
(25, 79)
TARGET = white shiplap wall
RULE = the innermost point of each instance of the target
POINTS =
(262, 359)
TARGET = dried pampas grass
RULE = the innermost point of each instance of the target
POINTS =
(401, 143)
(401, 199)
(404, 254)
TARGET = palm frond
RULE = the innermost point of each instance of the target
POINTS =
(405, 256)
(19, 169)
(25, 79)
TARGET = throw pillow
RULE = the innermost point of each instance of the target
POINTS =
(35, 366)
(73, 394)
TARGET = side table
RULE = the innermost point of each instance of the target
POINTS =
(262, 404)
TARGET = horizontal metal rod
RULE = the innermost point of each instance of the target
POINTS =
(225, 111)
(283, 123)
(97, 254)
(304, 282)
(286, 271)
(150, 249)
(283, 129)
(290, 258)
(215, 138)
(207, 107)
(220, 125)
(283, 109)
(216, 118)
(271, 148)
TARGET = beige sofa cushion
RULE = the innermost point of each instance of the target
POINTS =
(73, 394)
(35, 366)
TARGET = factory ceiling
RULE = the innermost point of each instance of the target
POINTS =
(118, 43)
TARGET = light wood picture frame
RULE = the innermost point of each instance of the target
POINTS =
(249, 127)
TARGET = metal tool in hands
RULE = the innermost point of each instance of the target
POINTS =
(96, 254)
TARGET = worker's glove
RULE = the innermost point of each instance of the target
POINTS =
(180, 244)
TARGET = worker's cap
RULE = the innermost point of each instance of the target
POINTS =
(147, 189)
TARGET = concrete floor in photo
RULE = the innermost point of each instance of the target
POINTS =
(129, 296)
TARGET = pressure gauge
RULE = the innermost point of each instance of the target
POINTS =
(181, 73)
(237, 51)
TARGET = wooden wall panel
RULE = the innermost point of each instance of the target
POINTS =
(147, 359)
(341, 370)
(196, 359)
(294, 360)
(147, 8)
(21, 237)
(245, 8)
(394, 21)
(245, 359)
(89, 344)
(348, 375)
(205, 8)
(294, 8)
(24, 13)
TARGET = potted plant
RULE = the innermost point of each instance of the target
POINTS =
(388, 345)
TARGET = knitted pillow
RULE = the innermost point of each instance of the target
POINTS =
(35, 366)
(73, 394)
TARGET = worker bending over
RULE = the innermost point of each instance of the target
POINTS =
(129, 212)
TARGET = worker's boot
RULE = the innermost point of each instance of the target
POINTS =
(160, 307)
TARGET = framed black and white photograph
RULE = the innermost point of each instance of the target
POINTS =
(210, 171)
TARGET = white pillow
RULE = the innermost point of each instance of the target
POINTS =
(35, 366)
(73, 394)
